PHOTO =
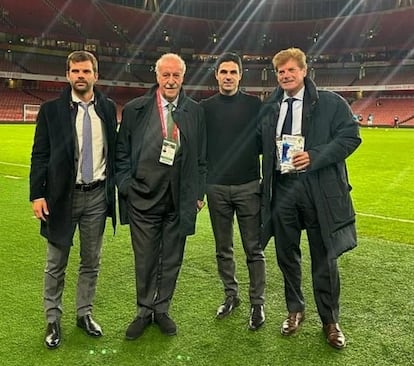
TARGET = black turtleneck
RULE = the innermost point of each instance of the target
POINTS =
(232, 151)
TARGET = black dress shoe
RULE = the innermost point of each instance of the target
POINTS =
(52, 337)
(166, 324)
(137, 327)
(257, 316)
(89, 325)
(227, 307)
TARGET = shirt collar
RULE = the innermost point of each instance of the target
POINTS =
(77, 100)
(165, 102)
(298, 96)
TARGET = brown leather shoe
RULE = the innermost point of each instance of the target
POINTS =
(334, 335)
(292, 322)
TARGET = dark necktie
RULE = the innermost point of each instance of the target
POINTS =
(87, 157)
(287, 124)
(170, 121)
(171, 124)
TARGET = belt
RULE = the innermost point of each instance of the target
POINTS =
(293, 175)
(90, 186)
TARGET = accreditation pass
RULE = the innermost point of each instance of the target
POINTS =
(168, 151)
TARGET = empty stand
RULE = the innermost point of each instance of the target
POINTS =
(337, 77)
(12, 101)
(8, 66)
(108, 23)
(391, 75)
(86, 18)
(384, 109)
(40, 64)
(137, 38)
(37, 17)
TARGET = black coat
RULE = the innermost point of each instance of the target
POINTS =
(331, 136)
(189, 117)
(55, 159)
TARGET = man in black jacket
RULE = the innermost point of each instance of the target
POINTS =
(72, 184)
(306, 187)
(160, 173)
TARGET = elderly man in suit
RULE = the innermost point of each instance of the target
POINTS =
(72, 185)
(160, 173)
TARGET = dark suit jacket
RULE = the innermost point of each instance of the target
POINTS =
(189, 117)
(331, 136)
(55, 161)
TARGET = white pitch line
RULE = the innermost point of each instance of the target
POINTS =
(358, 213)
(11, 177)
(14, 164)
(386, 218)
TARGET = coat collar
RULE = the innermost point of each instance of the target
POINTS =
(311, 97)
(149, 96)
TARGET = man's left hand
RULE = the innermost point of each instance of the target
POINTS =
(200, 205)
(301, 160)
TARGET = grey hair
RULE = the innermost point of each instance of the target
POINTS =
(170, 56)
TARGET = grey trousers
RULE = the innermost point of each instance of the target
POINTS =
(243, 200)
(89, 214)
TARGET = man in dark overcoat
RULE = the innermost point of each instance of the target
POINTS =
(307, 188)
(72, 184)
(160, 174)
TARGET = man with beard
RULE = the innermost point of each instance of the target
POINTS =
(160, 174)
(72, 184)
(233, 185)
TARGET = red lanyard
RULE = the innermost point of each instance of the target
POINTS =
(163, 121)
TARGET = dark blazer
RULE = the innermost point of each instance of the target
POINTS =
(331, 136)
(55, 161)
(189, 117)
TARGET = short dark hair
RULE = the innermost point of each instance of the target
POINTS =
(81, 56)
(229, 57)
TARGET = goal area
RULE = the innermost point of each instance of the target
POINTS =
(30, 112)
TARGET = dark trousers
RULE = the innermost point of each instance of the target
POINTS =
(158, 251)
(292, 211)
(89, 214)
(243, 200)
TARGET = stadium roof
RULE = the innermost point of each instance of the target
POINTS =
(265, 10)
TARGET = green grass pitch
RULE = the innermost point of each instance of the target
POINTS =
(377, 298)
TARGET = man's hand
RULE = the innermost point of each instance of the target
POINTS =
(200, 205)
(301, 160)
(40, 209)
